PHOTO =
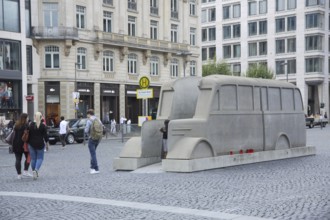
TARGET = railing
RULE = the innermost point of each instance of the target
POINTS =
(54, 32)
(132, 6)
(154, 10)
(124, 131)
(174, 14)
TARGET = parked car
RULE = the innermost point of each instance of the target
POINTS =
(309, 121)
(54, 135)
(312, 121)
(76, 131)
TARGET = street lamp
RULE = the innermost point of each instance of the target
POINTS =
(286, 71)
(185, 54)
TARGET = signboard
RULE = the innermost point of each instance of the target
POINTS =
(144, 82)
(29, 98)
(143, 119)
(144, 93)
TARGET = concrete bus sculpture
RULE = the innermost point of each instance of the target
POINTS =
(236, 120)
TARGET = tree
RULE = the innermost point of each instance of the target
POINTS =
(259, 71)
(213, 67)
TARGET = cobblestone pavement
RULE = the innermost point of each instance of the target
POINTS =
(296, 188)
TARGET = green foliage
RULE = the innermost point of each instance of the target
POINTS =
(213, 67)
(259, 71)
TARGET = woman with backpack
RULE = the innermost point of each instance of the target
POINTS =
(18, 147)
(38, 140)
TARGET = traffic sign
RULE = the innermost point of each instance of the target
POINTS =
(144, 82)
(144, 93)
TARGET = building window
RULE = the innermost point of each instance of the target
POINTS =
(208, 15)
(193, 68)
(252, 8)
(192, 7)
(10, 55)
(314, 64)
(154, 30)
(193, 36)
(131, 4)
(280, 46)
(263, 7)
(108, 2)
(226, 31)
(313, 43)
(289, 68)
(291, 44)
(212, 33)
(236, 30)
(154, 7)
(132, 63)
(292, 4)
(226, 12)
(50, 11)
(29, 60)
(236, 67)
(10, 15)
(226, 51)
(314, 20)
(174, 9)
(80, 16)
(237, 50)
(263, 48)
(262, 27)
(81, 58)
(52, 57)
(280, 5)
(204, 54)
(236, 11)
(252, 28)
(292, 23)
(154, 66)
(280, 25)
(174, 68)
(208, 53)
(107, 22)
(108, 61)
(131, 26)
(253, 49)
(314, 2)
(174, 33)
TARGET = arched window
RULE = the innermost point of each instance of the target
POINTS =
(154, 66)
(52, 57)
(174, 68)
(81, 58)
(108, 61)
(132, 63)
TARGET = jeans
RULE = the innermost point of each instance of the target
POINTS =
(92, 145)
(62, 139)
(37, 157)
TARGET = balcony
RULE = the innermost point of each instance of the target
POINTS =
(174, 14)
(143, 43)
(132, 6)
(66, 33)
(154, 10)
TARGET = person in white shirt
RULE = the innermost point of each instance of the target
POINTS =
(63, 131)
(129, 126)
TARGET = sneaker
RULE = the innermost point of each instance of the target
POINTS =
(27, 174)
(35, 174)
(94, 171)
(19, 176)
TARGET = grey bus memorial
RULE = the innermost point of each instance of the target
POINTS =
(219, 121)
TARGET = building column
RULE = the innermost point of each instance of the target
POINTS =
(122, 100)
(41, 98)
(97, 99)
(66, 98)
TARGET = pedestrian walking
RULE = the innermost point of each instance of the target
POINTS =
(19, 149)
(164, 130)
(113, 126)
(94, 130)
(129, 126)
(38, 141)
(64, 127)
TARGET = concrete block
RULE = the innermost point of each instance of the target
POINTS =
(133, 163)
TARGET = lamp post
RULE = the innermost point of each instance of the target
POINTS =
(286, 71)
(185, 54)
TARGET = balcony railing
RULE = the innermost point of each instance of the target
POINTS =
(154, 10)
(132, 6)
(54, 32)
(174, 14)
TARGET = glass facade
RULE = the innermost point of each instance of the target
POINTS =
(10, 53)
(9, 15)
